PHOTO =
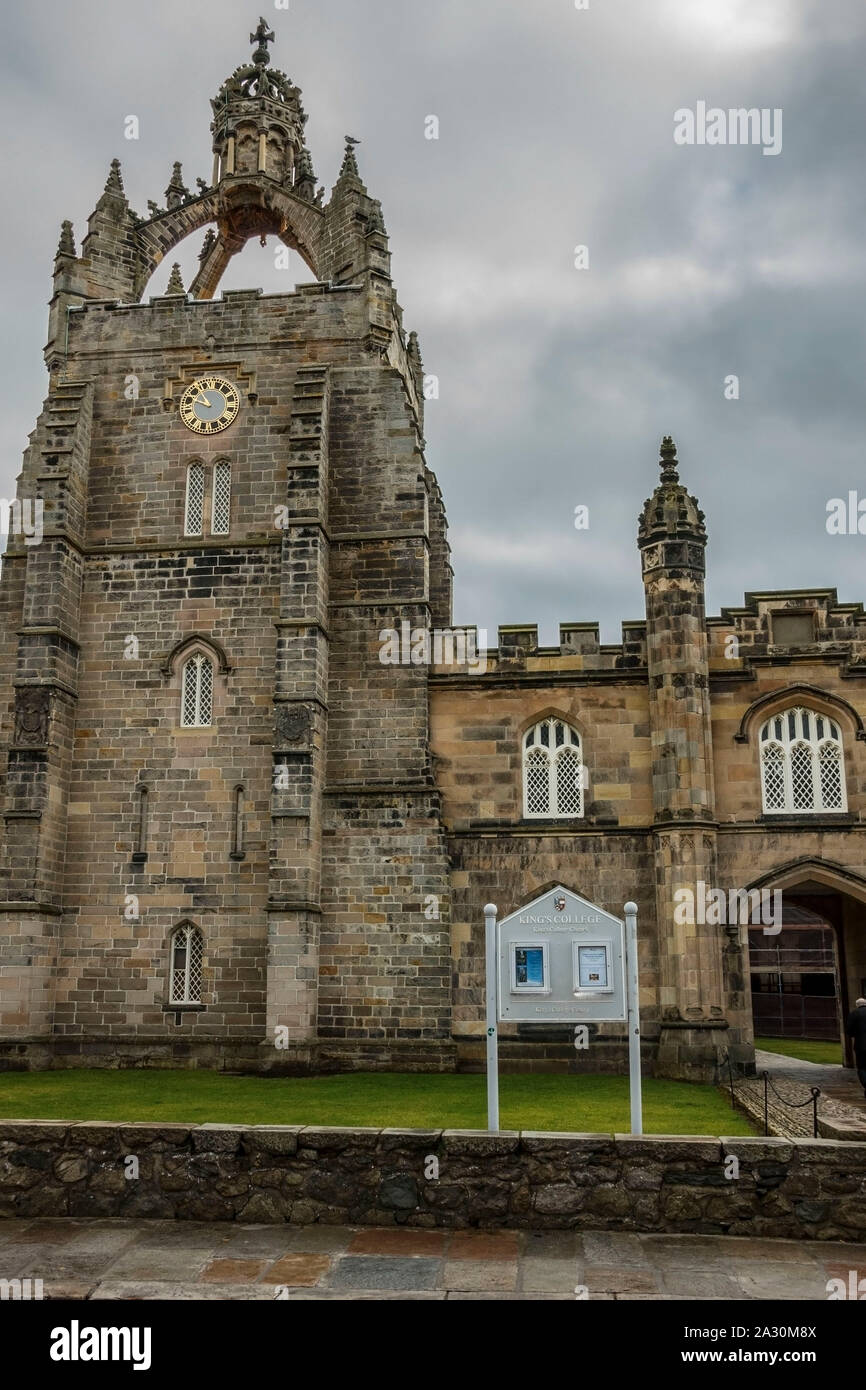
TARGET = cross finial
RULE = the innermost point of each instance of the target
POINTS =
(263, 36)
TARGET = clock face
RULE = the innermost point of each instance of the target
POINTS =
(209, 405)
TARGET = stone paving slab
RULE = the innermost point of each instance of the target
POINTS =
(159, 1260)
(480, 1276)
(384, 1272)
(539, 1276)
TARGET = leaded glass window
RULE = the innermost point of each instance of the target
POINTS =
(802, 763)
(553, 771)
(186, 965)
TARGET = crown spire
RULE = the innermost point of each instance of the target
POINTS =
(671, 513)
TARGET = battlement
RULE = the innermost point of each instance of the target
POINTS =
(775, 626)
(186, 303)
(579, 650)
(785, 625)
(89, 317)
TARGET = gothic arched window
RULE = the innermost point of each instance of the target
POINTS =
(196, 703)
(802, 767)
(553, 773)
(186, 965)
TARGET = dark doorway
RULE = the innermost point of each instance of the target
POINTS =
(796, 976)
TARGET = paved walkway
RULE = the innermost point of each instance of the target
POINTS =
(840, 1083)
(101, 1259)
(840, 1104)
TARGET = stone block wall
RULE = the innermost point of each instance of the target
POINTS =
(812, 1189)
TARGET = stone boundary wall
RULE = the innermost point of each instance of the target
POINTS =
(812, 1188)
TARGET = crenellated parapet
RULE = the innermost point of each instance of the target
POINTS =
(784, 626)
(580, 654)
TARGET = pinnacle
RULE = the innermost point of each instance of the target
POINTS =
(66, 246)
(175, 283)
(668, 460)
(177, 191)
(671, 511)
(376, 222)
(114, 182)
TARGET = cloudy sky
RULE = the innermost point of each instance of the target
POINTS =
(556, 130)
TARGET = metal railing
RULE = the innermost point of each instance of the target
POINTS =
(811, 1099)
(796, 1016)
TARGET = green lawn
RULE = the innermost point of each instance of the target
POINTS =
(827, 1053)
(587, 1104)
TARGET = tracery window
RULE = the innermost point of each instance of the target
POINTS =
(186, 965)
(553, 771)
(196, 705)
(802, 765)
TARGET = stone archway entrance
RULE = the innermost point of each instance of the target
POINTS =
(795, 975)
(804, 980)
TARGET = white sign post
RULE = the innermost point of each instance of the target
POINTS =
(635, 1089)
(492, 1045)
(560, 959)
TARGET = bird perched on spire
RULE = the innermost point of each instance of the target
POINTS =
(350, 164)
(263, 36)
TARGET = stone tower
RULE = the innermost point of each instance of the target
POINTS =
(192, 698)
(672, 540)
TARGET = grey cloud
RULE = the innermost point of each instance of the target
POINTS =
(556, 129)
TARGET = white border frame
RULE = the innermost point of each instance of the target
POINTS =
(545, 967)
(589, 991)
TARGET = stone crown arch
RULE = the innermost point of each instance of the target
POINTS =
(238, 210)
(810, 696)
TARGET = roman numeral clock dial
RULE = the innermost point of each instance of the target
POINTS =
(209, 405)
